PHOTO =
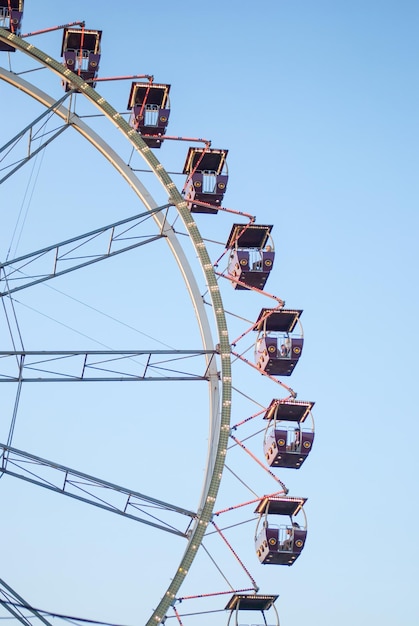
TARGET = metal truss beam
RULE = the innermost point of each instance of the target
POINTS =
(91, 490)
(75, 253)
(16, 605)
(10, 145)
(101, 365)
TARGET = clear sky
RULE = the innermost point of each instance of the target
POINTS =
(317, 103)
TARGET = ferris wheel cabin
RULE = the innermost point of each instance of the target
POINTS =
(81, 53)
(288, 441)
(250, 602)
(207, 179)
(251, 257)
(11, 14)
(278, 346)
(150, 108)
(282, 543)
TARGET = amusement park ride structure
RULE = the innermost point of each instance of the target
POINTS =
(249, 254)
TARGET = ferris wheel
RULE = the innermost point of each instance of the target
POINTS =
(77, 278)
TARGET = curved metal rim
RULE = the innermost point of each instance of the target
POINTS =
(220, 430)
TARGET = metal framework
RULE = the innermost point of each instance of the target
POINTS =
(70, 255)
(99, 366)
(219, 417)
(18, 607)
(89, 489)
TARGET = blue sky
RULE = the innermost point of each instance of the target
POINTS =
(317, 103)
